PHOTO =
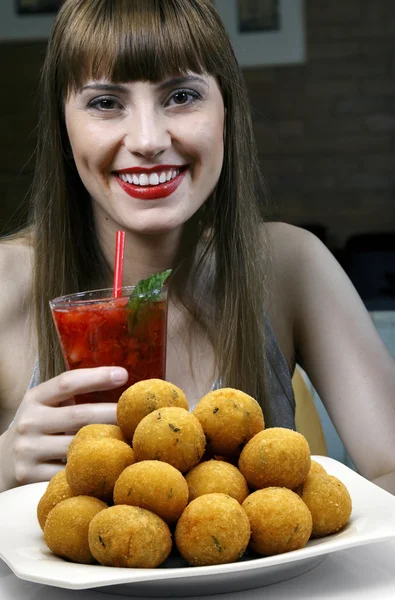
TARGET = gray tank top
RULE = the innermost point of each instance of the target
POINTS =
(280, 405)
(280, 409)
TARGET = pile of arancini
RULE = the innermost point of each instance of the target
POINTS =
(165, 472)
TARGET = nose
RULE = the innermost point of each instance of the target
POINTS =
(148, 134)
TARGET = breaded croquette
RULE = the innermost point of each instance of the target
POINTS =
(154, 485)
(129, 536)
(213, 529)
(95, 431)
(216, 476)
(275, 457)
(230, 418)
(142, 398)
(66, 528)
(316, 467)
(280, 521)
(329, 502)
(95, 464)
(57, 490)
(172, 435)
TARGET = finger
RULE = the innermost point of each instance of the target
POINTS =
(79, 381)
(52, 448)
(42, 472)
(72, 418)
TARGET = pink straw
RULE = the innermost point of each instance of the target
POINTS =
(118, 264)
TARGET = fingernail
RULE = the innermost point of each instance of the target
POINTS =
(119, 375)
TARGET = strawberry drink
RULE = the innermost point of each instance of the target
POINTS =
(96, 329)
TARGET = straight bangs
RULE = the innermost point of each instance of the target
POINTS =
(136, 40)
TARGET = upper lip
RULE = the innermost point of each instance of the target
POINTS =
(150, 169)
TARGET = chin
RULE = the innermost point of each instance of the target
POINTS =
(154, 228)
(159, 222)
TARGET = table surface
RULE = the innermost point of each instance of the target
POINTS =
(362, 572)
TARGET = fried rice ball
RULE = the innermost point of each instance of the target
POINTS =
(230, 418)
(95, 464)
(57, 490)
(142, 398)
(280, 521)
(316, 467)
(95, 431)
(154, 485)
(172, 435)
(216, 476)
(276, 457)
(67, 525)
(329, 502)
(129, 536)
(213, 529)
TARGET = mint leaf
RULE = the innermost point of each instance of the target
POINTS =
(144, 291)
(148, 287)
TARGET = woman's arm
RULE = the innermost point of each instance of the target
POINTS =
(17, 338)
(34, 447)
(340, 349)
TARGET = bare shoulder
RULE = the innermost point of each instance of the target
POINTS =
(16, 260)
(304, 277)
(14, 249)
(300, 261)
(290, 249)
(290, 245)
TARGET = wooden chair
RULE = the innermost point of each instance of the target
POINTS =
(307, 419)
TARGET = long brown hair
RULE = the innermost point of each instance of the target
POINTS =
(225, 262)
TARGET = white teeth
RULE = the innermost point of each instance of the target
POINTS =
(153, 179)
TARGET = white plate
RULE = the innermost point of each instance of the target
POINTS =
(22, 548)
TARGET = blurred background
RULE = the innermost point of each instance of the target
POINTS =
(325, 128)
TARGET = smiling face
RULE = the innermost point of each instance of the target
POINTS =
(149, 154)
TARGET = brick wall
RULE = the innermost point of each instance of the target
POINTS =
(325, 129)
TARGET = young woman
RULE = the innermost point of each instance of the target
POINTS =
(145, 127)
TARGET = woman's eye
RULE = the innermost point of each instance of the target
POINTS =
(184, 97)
(104, 104)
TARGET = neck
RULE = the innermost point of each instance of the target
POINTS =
(144, 255)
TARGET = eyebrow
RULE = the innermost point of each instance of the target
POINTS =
(106, 87)
(115, 87)
(174, 81)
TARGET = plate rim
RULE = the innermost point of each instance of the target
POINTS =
(112, 576)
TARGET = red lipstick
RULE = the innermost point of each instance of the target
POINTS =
(151, 192)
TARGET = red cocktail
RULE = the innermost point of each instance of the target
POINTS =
(98, 330)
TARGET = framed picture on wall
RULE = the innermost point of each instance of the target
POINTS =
(258, 15)
(265, 32)
(26, 20)
(31, 7)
